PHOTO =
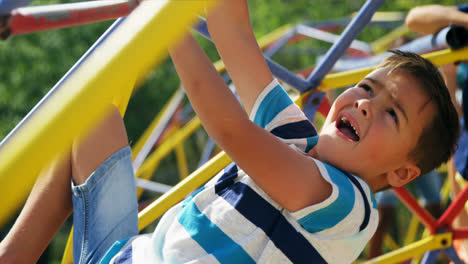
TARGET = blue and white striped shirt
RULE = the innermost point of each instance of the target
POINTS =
(232, 220)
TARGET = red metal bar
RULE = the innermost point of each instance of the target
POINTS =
(460, 233)
(39, 18)
(426, 218)
(454, 209)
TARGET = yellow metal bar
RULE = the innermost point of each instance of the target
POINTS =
(342, 79)
(417, 259)
(149, 36)
(439, 241)
(181, 160)
(412, 231)
(169, 144)
(144, 137)
(445, 193)
(152, 165)
(67, 257)
(381, 44)
(388, 240)
(124, 57)
(388, 16)
(182, 189)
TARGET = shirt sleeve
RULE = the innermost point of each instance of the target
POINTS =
(347, 209)
(276, 112)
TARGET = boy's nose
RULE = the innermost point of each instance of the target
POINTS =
(363, 106)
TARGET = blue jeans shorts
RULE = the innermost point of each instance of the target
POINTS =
(105, 208)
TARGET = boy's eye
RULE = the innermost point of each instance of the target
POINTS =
(367, 88)
(393, 114)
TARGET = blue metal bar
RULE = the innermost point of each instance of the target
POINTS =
(452, 254)
(279, 71)
(351, 32)
(430, 257)
(7, 5)
(270, 51)
(453, 37)
(209, 147)
(313, 104)
(59, 83)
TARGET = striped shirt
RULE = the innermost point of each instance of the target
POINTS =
(231, 220)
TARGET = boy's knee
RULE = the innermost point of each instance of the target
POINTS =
(104, 139)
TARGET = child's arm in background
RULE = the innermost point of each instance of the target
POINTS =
(230, 28)
(290, 178)
(431, 18)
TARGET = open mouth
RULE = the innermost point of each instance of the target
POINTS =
(347, 129)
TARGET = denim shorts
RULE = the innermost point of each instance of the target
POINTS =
(105, 208)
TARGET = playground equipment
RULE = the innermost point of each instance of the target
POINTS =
(71, 104)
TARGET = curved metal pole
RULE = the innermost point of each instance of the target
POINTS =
(351, 32)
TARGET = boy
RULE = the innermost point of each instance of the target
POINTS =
(290, 202)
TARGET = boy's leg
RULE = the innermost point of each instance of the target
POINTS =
(49, 203)
(103, 190)
(47, 207)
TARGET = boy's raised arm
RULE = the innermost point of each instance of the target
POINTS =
(230, 28)
(285, 174)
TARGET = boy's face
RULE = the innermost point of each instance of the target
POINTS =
(372, 127)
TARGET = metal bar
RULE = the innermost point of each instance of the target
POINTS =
(273, 48)
(381, 44)
(58, 85)
(430, 257)
(452, 254)
(350, 33)
(159, 128)
(38, 18)
(181, 160)
(210, 144)
(438, 241)
(453, 37)
(169, 144)
(412, 231)
(427, 219)
(182, 189)
(330, 37)
(460, 233)
(454, 208)
(342, 79)
(277, 70)
(152, 186)
(136, 148)
(7, 5)
(132, 51)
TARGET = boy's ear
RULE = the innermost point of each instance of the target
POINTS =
(403, 175)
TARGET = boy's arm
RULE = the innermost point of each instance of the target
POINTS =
(431, 18)
(229, 26)
(290, 178)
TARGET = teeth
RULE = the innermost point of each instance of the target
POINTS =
(344, 119)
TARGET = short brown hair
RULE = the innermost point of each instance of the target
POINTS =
(438, 139)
